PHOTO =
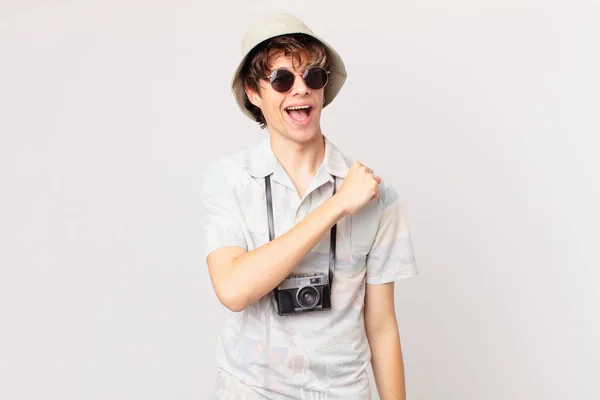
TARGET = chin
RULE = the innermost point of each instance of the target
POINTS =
(298, 133)
(304, 135)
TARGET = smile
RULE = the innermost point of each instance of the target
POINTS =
(299, 115)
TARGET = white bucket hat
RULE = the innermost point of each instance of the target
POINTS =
(282, 24)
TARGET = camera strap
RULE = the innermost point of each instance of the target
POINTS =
(333, 236)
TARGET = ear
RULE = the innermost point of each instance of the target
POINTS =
(253, 96)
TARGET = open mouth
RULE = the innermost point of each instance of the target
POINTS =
(299, 114)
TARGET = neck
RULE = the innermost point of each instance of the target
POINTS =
(300, 159)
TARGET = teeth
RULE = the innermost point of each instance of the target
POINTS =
(297, 108)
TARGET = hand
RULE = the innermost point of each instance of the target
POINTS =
(359, 187)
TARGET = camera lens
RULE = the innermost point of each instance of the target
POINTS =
(308, 297)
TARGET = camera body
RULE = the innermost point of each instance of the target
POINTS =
(303, 293)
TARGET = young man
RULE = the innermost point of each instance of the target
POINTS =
(310, 336)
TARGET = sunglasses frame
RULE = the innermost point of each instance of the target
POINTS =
(303, 77)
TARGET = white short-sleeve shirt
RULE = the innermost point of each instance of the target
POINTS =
(315, 355)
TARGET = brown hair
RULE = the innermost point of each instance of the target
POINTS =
(298, 46)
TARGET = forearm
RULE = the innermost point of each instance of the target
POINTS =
(387, 363)
(257, 272)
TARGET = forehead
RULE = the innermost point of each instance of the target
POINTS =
(283, 61)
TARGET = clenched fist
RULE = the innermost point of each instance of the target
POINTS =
(359, 187)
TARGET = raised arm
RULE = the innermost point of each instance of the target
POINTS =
(241, 277)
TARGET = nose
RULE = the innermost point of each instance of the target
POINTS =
(300, 87)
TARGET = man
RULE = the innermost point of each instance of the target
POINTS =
(272, 214)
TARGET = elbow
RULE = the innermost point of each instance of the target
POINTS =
(227, 286)
(232, 299)
(235, 305)
(380, 324)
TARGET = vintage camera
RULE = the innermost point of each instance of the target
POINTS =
(302, 293)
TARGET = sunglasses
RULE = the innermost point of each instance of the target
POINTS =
(282, 80)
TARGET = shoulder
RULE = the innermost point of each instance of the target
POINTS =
(229, 169)
(388, 195)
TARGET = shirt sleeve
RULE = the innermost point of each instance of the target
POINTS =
(222, 226)
(391, 257)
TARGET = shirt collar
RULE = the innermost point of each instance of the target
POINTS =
(262, 161)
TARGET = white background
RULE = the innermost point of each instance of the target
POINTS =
(484, 116)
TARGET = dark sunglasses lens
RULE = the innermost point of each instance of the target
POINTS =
(282, 80)
(315, 78)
